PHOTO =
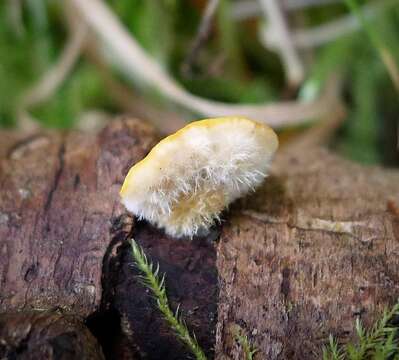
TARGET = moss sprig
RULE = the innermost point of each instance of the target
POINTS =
(248, 349)
(154, 281)
(380, 342)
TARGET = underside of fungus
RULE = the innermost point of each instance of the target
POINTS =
(188, 178)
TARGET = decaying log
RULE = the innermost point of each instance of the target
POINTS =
(59, 211)
(46, 335)
(63, 241)
(316, 246)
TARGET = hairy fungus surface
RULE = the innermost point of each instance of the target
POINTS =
(189, 177)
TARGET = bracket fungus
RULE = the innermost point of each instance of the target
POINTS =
(189, 177)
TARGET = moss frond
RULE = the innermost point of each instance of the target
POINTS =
(380, 342)
(248, 349)
(154, 281)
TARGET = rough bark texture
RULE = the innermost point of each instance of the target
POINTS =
(59, 212)
(313, 248)
(46, 335)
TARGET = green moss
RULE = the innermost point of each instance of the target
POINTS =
(380, 342)
(156, 283)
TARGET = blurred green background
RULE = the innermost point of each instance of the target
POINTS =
(231, 64)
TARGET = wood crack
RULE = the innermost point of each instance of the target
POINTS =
(305, 222)
(57, 177)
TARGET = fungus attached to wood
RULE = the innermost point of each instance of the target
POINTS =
(189, 177)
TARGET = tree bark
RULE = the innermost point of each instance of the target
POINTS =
(315, 247)
(59, 212)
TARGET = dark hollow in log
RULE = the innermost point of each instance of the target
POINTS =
(191, 281)
(46, 335)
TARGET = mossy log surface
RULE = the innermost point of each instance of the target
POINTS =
(315, 247)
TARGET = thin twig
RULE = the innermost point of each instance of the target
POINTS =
(126, 98)
(319, 35)
(53, 78)
(134, 61)
(202, 34)
(165, 120)
(280, 38)
(300, 4)
(246, 9)
(391, 66)
(322, 132)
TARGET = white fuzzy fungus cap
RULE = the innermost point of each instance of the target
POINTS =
(189, 177)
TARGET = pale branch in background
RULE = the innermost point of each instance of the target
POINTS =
(299, 4)
(323, 131)
(279, 38)
(135, 62)
(129, 100)
(246, 9)
(322, 34)
(54, 77)
(390, 64)
(202, 34)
